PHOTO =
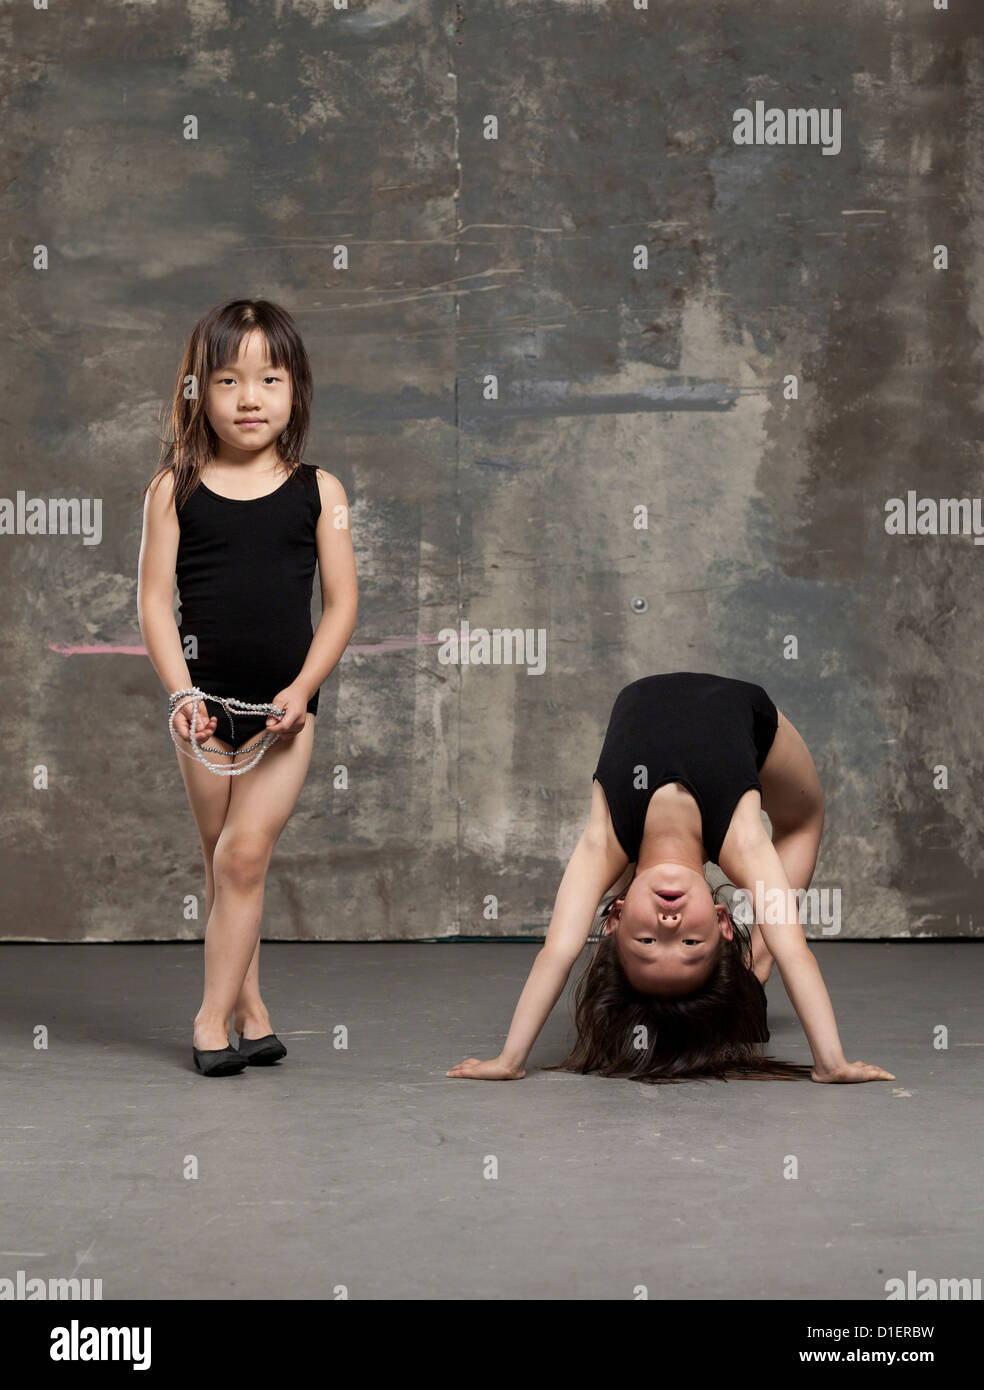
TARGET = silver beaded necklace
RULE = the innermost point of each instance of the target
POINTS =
(179, 698)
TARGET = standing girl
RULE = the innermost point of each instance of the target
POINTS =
(236, 516)
(674, 987)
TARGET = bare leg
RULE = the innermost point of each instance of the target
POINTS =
(249, 1015)
(793, 801)
(208, 797)
(257, 807)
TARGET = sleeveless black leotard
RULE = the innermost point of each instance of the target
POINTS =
(245, 571)
(709, 733)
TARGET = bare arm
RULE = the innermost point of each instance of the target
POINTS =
(155, 586)
(339, 587)
(753, 864)
(597, 862)
(797, 850)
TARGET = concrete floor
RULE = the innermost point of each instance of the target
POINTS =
(364, 1167)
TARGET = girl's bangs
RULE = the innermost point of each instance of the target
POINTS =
(222, 345)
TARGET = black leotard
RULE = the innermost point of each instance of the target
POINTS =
(245, 571)
(709, 733)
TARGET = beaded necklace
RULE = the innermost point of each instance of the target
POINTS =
(179, 698)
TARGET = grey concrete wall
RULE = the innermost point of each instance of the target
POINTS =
(619, 388)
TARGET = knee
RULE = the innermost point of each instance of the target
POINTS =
(816, 812)
(241, 859)
(806, 818)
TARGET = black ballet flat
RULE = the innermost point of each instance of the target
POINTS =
(221, 1061)
(262, 1052)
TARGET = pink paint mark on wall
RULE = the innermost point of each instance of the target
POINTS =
(396, 643)
(94, 649)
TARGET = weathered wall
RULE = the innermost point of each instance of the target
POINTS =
(618, 388)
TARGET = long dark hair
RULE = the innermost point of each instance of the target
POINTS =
(719, 1032)
(189, 441)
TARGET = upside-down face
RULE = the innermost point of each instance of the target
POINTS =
(668, 930)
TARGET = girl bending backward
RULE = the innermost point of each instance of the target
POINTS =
(674, 988)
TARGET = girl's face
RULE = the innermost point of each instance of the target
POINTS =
(248, 401)
(669, 930)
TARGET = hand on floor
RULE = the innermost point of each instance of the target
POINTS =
(853, 1071)
(495, 1070)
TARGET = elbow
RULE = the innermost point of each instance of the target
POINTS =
(341, 611)
(154, 611)
(747, 839)
(594, 839)
(561, 958)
